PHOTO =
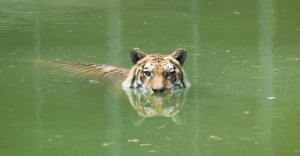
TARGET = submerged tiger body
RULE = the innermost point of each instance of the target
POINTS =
(150, 73)
(92, 71)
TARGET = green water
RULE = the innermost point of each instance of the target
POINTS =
(243, 64)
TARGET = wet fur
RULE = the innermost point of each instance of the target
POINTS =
(166, 71)
(160, 66)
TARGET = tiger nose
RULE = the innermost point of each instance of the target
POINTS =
(158, 90)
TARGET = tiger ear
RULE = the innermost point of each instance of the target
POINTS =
(136, 54)
(180, 55)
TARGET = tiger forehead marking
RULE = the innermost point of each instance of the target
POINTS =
(158, 66)
(157, 72)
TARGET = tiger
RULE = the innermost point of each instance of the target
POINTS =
(153, 73)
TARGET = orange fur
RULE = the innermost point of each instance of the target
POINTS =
(157, 72)
(151, 73)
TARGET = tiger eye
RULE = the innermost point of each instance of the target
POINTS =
(147, 73)
(169, 74)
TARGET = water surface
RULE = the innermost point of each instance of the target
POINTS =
(243, 64)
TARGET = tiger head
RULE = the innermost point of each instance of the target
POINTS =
(157, 72)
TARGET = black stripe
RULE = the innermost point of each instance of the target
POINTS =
(132, 80)
(181, 76)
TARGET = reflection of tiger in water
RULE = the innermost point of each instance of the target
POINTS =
(157, 105)
(151, 73)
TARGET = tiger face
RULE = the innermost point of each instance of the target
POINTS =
(157, 72)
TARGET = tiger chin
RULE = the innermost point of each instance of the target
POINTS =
(157, 73)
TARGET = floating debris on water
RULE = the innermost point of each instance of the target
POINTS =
(133, 140)
(213, 137)
(162, 126)
(297, 151)
(58, 136)
(295, 59)
(246, 112)
(153, 151)
(105, 144)
(145, 144)
(168, 138)
(93, 81)
(259, 78)
(236, 12)
(271, 97)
